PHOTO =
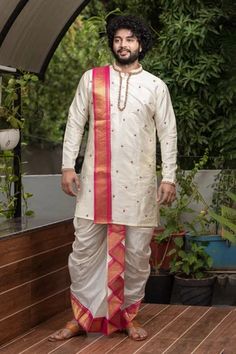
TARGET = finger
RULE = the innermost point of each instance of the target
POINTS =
(168, 198)
(68, 189)
(171, 199)
(164, 198)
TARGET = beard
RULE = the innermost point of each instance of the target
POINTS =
(126, 61)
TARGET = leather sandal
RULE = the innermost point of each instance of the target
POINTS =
(135, 331)
(70, 330)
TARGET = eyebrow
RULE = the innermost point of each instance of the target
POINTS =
(133, 36)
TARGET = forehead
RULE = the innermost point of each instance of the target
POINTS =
(124, 32)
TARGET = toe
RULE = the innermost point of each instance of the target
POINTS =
(62, 334)
(137, 334)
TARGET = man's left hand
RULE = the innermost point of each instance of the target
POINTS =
(166, 194)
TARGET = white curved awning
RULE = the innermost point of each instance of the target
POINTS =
(31, 30)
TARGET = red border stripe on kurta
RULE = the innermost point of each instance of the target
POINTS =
(102, 145)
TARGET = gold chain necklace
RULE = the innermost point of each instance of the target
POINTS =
(126, 93)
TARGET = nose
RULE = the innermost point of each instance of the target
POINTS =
(123, 43)
(123, 47)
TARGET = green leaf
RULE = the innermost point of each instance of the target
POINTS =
(223, 221)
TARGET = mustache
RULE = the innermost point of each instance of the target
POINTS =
(121, 50)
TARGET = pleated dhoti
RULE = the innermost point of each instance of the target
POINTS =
(88, 266)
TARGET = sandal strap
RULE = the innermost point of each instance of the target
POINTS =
(74, 328)
(133, 324)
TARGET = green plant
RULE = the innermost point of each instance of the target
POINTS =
(224, 181)
(159, 252)
(192, 263)
(193, 60)
(7, 180)
(175, 226)
(187, 193)
(193, 54)
(14, 89)
(227, 219)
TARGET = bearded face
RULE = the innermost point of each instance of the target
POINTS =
(126, 47)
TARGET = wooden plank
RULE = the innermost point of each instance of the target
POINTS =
(34, 267)
(30, 316)
(50, 347)
(67, 299)
(37, 334)
(14, 326)
(47, 308)
(49, 284)
(100, 343)
(195, 335)
(173, 329)
(69, 346)
(167, 335)
(15, 300)
(35, 241)
(222, 338)
(23, 296)
(163, 314)
(155, 324)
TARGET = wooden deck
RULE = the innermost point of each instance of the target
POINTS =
(34, 277)
(173, 329)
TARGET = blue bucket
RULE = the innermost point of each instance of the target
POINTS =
(222, 251)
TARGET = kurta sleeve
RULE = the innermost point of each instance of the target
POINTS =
(166, 132)
(77, 117)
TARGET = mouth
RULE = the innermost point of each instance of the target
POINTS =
(123, 52)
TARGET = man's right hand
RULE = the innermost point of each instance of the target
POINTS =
(70, 182)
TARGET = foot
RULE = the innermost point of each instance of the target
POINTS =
(135, 331)
(70, 330)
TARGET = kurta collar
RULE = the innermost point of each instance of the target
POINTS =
(134, 71)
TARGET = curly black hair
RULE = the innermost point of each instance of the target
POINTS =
(138, 28)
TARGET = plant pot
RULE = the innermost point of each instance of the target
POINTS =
(222, 251)
(159, 288)
(222, 279)
(9, 138)
(232, 279)
(196, 291)
(159, 251)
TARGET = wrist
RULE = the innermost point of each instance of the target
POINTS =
(168, 182)
(67, 169)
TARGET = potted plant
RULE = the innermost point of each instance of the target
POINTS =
(10, 124)
(165, 243)
(174, 225)
(191, 269)
(160, 282)
(7, 195)
(10, 117)
(220, 245)
(227, 220)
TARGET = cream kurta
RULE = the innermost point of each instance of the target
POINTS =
(133, 146)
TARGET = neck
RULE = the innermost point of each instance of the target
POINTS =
(126, 68)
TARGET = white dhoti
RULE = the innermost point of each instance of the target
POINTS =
(88, 265)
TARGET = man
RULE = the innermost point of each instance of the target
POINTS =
(117, 196)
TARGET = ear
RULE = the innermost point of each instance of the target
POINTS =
(140, 49)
